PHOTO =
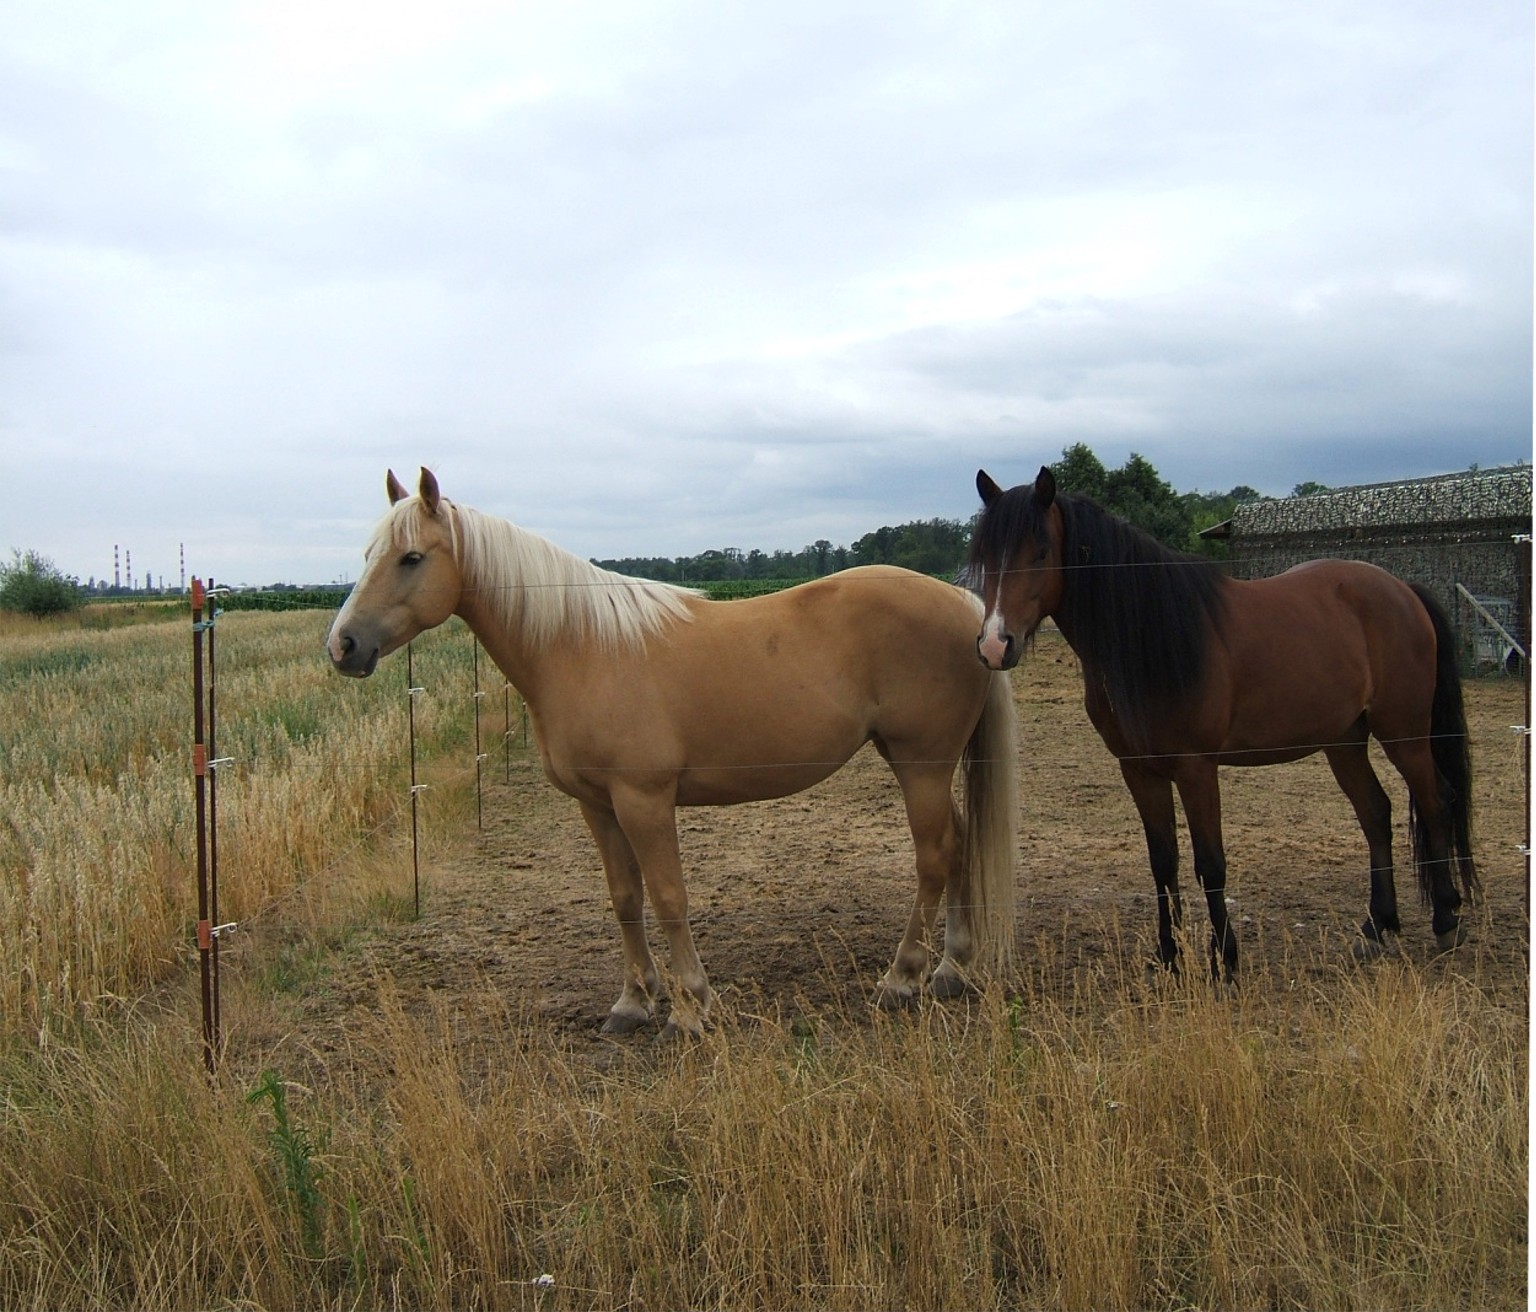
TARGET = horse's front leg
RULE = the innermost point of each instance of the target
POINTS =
(648, 818)
(1153, 795)
(642, 982)
(1201, 794)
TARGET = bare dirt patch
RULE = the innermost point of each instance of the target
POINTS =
(798, 903)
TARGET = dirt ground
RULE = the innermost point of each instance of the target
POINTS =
(797, 904)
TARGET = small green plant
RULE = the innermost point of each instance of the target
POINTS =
(420, 1245)
(357, 1247)
(295, 1152)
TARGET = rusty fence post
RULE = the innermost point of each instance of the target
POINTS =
(479, 755)
(411, 691)
(205, 764)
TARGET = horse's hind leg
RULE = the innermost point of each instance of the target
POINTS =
(1351, 765)
(1415, 762)
(1153, 796)
(925, 788)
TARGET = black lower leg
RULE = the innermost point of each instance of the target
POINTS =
(1211, 871)
(1446, 903)
(1164, 853)
(1383, 919)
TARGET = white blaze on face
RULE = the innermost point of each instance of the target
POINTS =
(993, 644)
(376, 551)
(344, 616)
(333, 641)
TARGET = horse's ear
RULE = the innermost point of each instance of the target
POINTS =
(1045, 487)
(396, 491)
(430, 495)
(987, 488)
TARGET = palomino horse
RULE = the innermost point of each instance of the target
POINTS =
(1185, 670)
(646, 697)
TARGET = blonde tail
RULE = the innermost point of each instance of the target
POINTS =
(992, 826)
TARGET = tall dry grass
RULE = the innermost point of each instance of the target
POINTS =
(1359, 1142)
(96, 804)
(1340, 1139)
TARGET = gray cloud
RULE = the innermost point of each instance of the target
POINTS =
(657, 280)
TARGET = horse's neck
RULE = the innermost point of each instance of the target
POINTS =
(535, 606)
(1081, 648)
(493, 601)
(501, 644)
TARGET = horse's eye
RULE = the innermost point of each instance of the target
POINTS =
(411, 558)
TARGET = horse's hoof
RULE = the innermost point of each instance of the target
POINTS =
(1451, 938)
(621, 1023)
(947, 984)
(672, 1032)
(1367, 949)
(890, 997)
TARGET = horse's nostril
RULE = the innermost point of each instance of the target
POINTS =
(348, 645)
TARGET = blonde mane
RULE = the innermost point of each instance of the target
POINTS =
(526, 582)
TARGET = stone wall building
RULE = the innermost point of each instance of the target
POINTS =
(1443, 531)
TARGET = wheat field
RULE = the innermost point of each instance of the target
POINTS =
(1354, 1141)
(97, 893)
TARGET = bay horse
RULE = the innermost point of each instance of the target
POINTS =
(1185, 670)
(645, 697)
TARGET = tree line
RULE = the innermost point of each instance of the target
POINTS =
(1135, 491)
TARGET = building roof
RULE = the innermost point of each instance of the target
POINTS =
(1489, 496)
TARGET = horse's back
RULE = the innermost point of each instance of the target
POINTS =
(884, 633)
(857, 606)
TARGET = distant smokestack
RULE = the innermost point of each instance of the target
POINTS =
(117, 572)
(183, 566)
(128, 567)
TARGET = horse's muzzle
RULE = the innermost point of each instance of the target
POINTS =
(997, 651)
(351, 659)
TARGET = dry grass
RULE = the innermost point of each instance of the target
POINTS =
(1355, 1145)
(97, 838)
(1341, 1139)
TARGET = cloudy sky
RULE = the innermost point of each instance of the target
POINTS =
(654, 277)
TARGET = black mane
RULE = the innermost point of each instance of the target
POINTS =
(1137, 613)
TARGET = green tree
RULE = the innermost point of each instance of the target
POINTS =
(33, 585)
(876, 548)
(1081, 472)
(1310, 489)
(929, 546)
(1138, 493)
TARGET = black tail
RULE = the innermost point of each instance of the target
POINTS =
(1453, 759)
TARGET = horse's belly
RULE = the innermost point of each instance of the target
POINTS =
(1240, 754)
(728, 785)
